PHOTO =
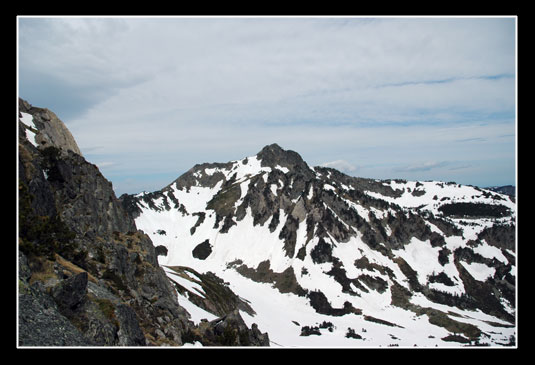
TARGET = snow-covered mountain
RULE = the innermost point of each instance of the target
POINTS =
(319, 258)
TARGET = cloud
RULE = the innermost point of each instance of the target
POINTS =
(423, 166)
(433, 166)
(341, 165)
(105, 164)
(162, 94)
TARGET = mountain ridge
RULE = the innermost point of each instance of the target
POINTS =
(272, 219)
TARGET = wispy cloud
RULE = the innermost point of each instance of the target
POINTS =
(162, 94)
(422, 166)
(105, 164)
(341, 165)
(475, 139)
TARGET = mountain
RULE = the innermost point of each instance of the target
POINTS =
(261, 251)
(319, 258)
(87, 276)
(506, 189)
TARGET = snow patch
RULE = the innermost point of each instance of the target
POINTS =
(28, 120)
(479, 271)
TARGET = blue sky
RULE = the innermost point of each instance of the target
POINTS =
(419, 98)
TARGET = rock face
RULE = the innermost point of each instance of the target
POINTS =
(51, 130)
(87, 276)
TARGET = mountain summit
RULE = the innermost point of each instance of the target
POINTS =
(353, 261)
(273, 155)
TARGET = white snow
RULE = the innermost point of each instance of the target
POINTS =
(479, 271)
(252, 167)
(435, 191)
(310, 192)
(490, 252)
(28, 120)
(422, 257)
(210, 171)
(328, 187)
(273, 188)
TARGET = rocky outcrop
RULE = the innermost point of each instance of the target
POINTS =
(228, 330)
(87, 276)
(40, 321)
(51, 130)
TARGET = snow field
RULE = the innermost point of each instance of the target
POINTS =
(456, 193)
(28, 120)
(277, 312)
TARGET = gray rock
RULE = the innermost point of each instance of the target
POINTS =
(231, 330)
(41, 324)
(130, 333)
(51, 130)
(70, 293)
(24, 269)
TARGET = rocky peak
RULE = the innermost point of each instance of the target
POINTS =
(50, 130)
(273, 155)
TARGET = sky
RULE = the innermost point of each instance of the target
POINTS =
(147, 98)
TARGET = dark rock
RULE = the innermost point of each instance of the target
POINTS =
(130, 333)
(322, 252)
(308, 331)
(41, 323)
(24, 270)
(161, 250)
(97, 238)
(285, 281)
(319, 302)
(202, 250)
(273, 155)
(70, 293)
(352, 334)
(231, 330)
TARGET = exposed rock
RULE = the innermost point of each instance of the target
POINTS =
(217, 297)
(51, 130)
(202, 250)
(41, 323)
(70, 293)
(231, 330)
(129, 333)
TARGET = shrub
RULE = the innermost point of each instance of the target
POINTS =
(474, 210)
(42, 235)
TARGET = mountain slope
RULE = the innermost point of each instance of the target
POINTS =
(353, 261)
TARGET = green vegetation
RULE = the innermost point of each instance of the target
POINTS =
(474, 210)
(107, 308)
(50, 163)
(42, 235)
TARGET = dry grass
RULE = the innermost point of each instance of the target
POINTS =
(73, 269)
(42, 270)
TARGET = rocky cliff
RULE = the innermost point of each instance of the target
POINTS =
(87, 276)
